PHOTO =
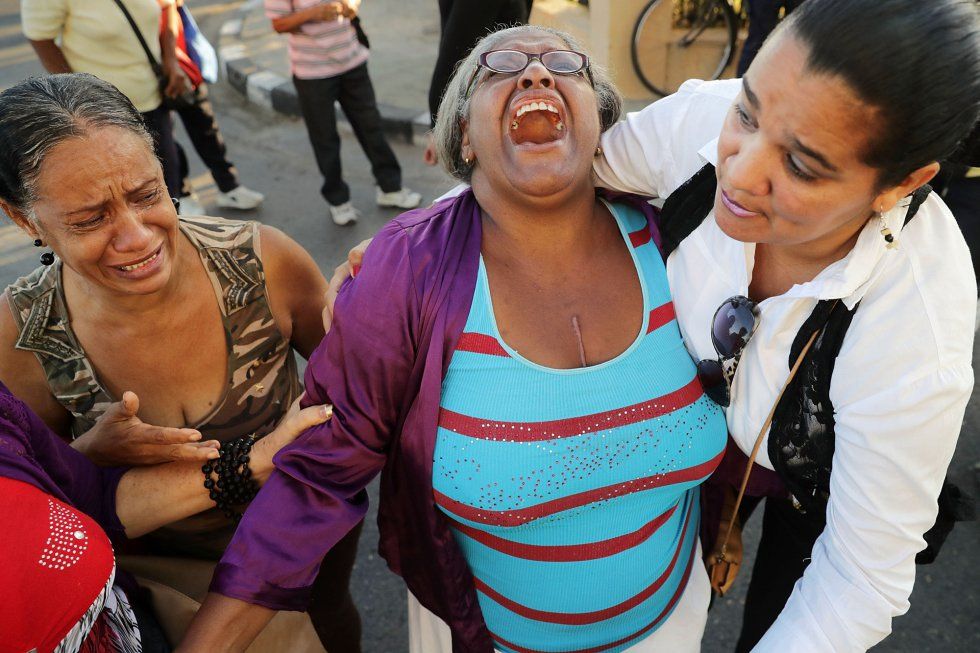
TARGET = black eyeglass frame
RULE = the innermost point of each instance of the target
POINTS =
(711, 371)
(531, 56)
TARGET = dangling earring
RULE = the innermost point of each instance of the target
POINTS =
(47, 258)
(886, 233)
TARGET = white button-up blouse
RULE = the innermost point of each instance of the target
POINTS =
(900, 386)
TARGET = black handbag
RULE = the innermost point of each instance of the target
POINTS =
(176, 103)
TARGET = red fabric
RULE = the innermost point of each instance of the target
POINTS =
(183, 59)
(56, 562)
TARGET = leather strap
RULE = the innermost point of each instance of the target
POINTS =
(762, 433)
(157, 68)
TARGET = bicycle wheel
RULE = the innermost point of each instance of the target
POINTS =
(677, 40)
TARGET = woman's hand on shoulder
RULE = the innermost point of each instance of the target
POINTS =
(292, 425)
(120, 438)
(348, 268)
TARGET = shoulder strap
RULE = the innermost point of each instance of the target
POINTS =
(918, 197)
(157, 69)
(687, 207)
(229, 251)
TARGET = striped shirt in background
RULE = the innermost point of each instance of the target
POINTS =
(319, 49)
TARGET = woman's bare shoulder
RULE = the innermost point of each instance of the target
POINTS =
(21, 372)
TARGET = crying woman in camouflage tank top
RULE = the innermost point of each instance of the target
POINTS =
(144, 337)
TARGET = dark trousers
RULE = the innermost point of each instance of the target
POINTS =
(462, 24)
(784, 553)
(202, 128)
(160, 124)
(332, 610)
(763, 17)
(355, 93)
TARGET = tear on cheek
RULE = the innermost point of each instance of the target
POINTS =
(537, 127)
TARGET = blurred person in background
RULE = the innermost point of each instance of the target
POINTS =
(92, 36)
(200, 122)
(328, 54)
(763, 18)
(461, 24)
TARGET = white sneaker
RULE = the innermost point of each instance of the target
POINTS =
(403, 198)
(343, 214)
(241, 198)
(191, 205)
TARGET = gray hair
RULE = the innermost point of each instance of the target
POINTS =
(455, 105)
(41, 112)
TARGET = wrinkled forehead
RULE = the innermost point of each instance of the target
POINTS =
(533, 41)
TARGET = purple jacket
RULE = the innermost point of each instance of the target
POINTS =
(381, 366)
(32, 453)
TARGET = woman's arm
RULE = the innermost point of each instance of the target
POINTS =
(135, 501)
(285, 20)
(150, 497)
(224, 625)
(177, 81)
(296, 289)
(42, 21)
(656, 149)
(365, 367)
(51, 56)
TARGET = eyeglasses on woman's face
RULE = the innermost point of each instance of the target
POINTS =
(513, 62)
(731, 329)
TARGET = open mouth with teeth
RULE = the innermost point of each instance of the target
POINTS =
(142, 263)
(538, 122)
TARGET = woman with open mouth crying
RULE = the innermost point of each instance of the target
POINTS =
(541, 433)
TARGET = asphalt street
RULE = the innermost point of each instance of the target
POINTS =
(273, 155)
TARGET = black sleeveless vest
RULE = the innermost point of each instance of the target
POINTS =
(801, 440)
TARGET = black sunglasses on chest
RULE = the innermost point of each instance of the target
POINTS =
(731, 329)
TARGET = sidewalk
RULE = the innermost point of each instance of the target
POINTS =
(404, 36)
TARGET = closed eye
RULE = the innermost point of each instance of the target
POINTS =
(743, 117)
(796, 169)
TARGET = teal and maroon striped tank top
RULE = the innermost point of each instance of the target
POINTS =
(573, 493)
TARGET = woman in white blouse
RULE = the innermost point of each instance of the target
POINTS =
(844, 113)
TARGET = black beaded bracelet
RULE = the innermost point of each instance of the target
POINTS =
(228, 479)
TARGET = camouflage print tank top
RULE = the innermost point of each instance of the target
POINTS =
(262, 375)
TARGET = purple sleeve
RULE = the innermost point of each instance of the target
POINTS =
(365, 365)
(31, 452)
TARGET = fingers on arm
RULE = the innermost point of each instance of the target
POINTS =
(194, 451)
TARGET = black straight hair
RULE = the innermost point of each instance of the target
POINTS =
(41, 112)
(916, 61)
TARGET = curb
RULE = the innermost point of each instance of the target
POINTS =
(276, 92)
